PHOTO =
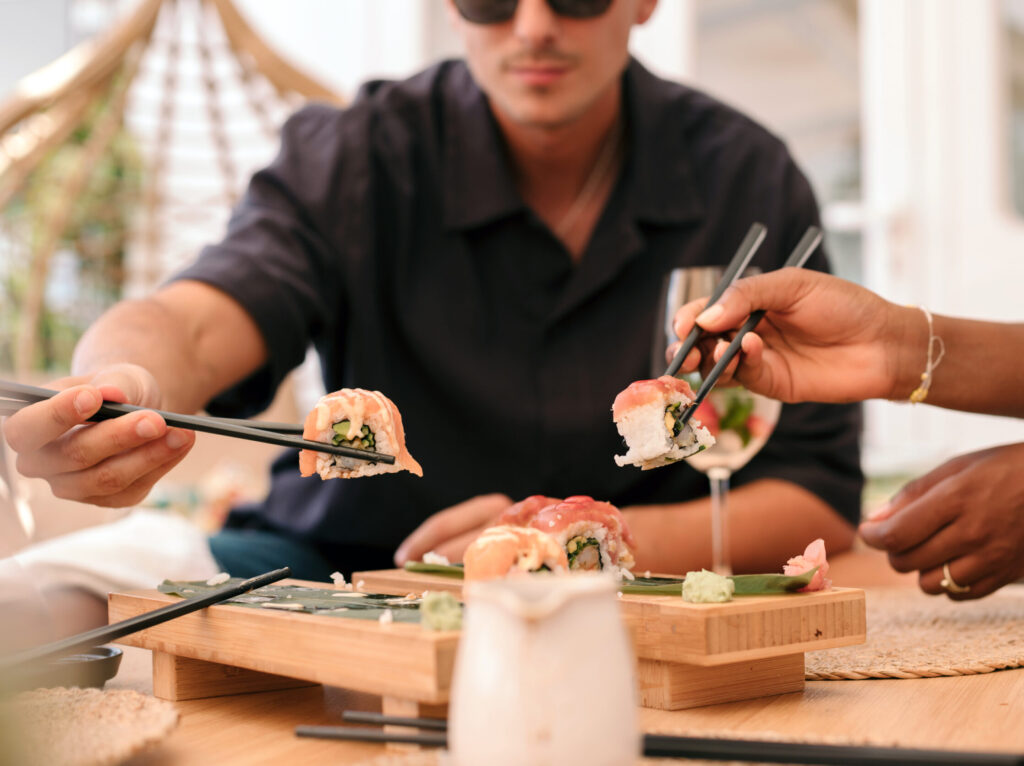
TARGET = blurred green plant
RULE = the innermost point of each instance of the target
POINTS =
(92, 247)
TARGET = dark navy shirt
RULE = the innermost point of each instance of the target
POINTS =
(391, 235)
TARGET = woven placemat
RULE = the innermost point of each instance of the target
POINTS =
(914, 635)
(85, 727)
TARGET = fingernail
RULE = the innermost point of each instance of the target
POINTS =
(711, 314)
(146, 429)
(400, 557)
(86, 402)
(176, 439)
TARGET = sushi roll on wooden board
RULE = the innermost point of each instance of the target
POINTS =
(509, 550)
(355, 417)
(594, 535)
(647, 416)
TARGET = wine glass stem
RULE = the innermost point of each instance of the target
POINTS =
(720, 562)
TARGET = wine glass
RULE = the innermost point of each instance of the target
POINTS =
(740, 420)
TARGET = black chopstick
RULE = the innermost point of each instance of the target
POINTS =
(10, 406)
(758, 751)
(807, 245)
(740, 260)
(198, 423)
(116, 630)
(669, 746)
(380, 719)
(361, 734)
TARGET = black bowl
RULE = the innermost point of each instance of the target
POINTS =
(93, 667)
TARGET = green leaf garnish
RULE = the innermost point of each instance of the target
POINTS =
(746, 585)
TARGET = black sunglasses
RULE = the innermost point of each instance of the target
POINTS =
(498, 11)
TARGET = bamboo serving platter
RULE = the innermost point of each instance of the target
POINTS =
(229, 649)
(690, 655)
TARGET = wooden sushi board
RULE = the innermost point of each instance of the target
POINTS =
(690, 655)
(232, 649)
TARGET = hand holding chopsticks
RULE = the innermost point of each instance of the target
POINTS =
(803, 250)
(18, 395)
(740, 261)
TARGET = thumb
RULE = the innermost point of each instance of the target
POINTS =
(916, 489)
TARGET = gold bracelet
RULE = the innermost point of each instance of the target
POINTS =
(920, 393)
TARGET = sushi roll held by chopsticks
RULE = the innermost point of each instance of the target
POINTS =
(354, 417)
(647, 416)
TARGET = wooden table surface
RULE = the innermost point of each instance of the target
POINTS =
(981, 712)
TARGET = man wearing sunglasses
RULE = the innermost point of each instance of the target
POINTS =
(485, 243)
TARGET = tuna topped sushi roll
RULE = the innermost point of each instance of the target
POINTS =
(594, 535)
(647, 416)
(354, 417)
(520, 514)
(507, 550)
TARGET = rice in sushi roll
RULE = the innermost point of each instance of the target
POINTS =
(354, 417)
(594, 535)
(507, 550)
(647, 416)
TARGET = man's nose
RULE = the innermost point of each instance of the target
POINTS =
(535, 23)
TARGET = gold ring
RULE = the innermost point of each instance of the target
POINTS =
(949, 584)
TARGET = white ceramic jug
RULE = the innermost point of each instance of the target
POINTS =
(543, 675)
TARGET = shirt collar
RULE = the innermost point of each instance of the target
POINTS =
(478, 183)
(479, 187)
(662, 184)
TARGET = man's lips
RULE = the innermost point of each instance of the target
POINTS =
(539, 75)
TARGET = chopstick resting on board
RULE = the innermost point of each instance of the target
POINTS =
(117, 630)
(807, 245)
(740, 260)
(19, 392)
(668, 746)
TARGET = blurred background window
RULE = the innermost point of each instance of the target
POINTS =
(794, 66)
(1013, 24)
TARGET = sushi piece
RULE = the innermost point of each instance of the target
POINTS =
(647, 416)
(354, 417)
(594, 535)
(506, 550)
(520, 514)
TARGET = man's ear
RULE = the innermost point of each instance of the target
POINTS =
(643, 10)
(453, 14)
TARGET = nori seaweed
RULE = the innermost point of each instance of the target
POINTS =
(318, 601)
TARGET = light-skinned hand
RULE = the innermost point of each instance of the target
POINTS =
(113, 463)
(450, 531)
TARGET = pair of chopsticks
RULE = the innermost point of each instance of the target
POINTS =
(114, 631)
(804, 248)
(668, 746)
(14, 396)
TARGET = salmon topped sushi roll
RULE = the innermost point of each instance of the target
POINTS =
(520, 514)
(354, 417)
(647, 415)
(507, 550)
(593, 534)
